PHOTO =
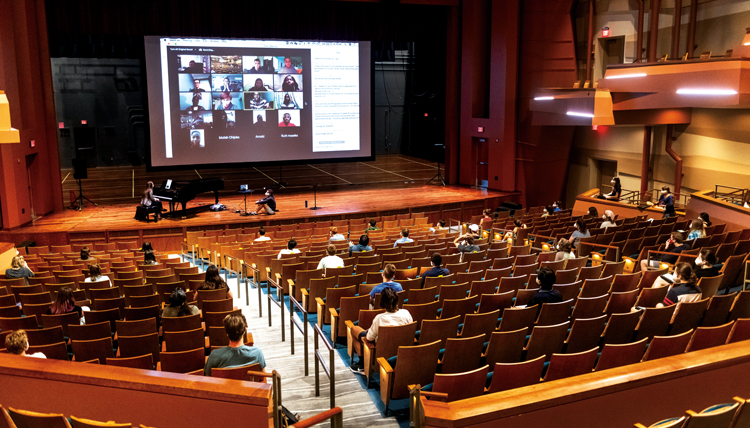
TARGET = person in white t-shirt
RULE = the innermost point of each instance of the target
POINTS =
(331, 260)
(392, 316)
(289, 248)
(335, 235)
(262, 233)
(17, 342)
(95, 275)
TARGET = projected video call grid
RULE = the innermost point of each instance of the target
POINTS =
(213, 87)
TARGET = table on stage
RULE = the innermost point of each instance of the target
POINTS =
(245, 193)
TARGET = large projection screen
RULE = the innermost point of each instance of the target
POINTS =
(230, 101)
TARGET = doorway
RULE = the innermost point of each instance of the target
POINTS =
(31, 166)
(611, 52)
(606, 170)
(481, 156)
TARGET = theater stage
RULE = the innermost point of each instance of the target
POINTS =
(111, 223)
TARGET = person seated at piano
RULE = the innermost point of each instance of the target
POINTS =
(213, 281)
(148, 199)
(267, 204)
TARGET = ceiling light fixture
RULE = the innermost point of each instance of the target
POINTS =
(701, 91)
(546, 98)
(579, 114)
(626, 76)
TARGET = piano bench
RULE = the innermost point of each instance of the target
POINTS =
(141, 212)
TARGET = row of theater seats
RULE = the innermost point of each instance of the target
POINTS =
(735, 414)
(12, 418)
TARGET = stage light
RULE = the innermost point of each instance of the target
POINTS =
(579, 114)
(605, 32)
(546, 98)
(626, 76)
(699, 91)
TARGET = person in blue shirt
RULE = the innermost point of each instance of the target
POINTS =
(335, 235)
(388, 273)
(364, 245)
(404, 238)
(437, 268)
(237, 353)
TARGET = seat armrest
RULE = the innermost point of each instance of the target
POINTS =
(386, 380)
(321, 311)
(349, 343)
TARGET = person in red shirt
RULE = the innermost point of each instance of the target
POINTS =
(287, 120)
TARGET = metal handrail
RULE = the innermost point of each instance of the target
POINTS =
(256, 281)
(730, 196)
(320, 360)
(294, 322)
(335, 414)
(279, 301)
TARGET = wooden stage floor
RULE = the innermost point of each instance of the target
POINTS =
(396, 186)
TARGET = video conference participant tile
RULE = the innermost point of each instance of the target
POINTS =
(227, 100)
(259, 100)
(191, 101)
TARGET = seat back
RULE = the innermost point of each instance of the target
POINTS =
(621, 327)
(62, 320)
(585, 334)
(90, 331)
(25, 419)
(649, 297)
(183, 323)
(391, 337)
(422, 311)
(589, 307)
(554, 313)
(45, 336)
(416, 365)
(508, 376)
(492, 302)
(654, 322)
(619, 303)
(184, 340)
(480, 324)
(688, 316)
(134, 346)
(440, 330)
(595, 287)
(708, 337)
(462, 354)
(710, 285)
(514, 283)
(136, 327)
(567, 365)
(717, 312)
(515, 318)
(460, 386)
(547, 340)
(183, 361)
(54, 351)
(666, 346)
(85, 350)
(626, 281)
(616, 355)
(238, 373)
(143, 362)
(488, 286)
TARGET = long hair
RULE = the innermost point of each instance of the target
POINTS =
(178, 299)
(684, 271)
(617, 185)
(294, 86)
(94, 272)
(697, 225)
(17, 262)
(213, 279)
(64, 303)
(581, 225)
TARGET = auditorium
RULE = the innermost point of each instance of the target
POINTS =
(209, 209)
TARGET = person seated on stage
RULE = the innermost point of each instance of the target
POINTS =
(18, 269)
(85, 253)
(95, 275)
(440, 225)
(262, 237)
(564, 250)
(148, 199)
(178, 306)
(372, 225)
(289, 249)
(364, 245)
(65, 303)
(696, 230)
(609, 219)
(237, 353)
(675, 245)
(17, 343)
(437, 268)
(149, 258)
(685, 288)
(213, 281)
(546, 279)
(404, 238)
(335, 235)
(267, 204)
(331, 260)
(393, 316)
(389, 271)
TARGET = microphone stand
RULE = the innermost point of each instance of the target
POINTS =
(315, 196)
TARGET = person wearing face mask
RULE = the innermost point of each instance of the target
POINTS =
(547, 211)
(665, 199)
(267, 204)
(614, 194)
(675, 245)
(685, 288)
(609, 219)
(556, 207)
(704, 264)
(705, 219)
(580, 232)
(564, 250)
(546, 279)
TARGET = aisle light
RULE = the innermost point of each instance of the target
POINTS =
(699, 91)
(626, 76)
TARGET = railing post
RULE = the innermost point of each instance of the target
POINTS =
(415, 407)
(294, 306)
(319, 360)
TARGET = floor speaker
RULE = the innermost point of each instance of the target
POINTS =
(80, 169)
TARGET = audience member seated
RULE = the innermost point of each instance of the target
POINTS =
(388, 273)
(149, 258)
(364, 245)
(95, 275)
(331, 260)
(685, 288)
(437, 268)
(147, 246)
(372, 225)
(609, 219)
(19, 269)
(546, 279)
(440, 225)
(335, 235)
(517, 224)
(564, 250)
(262, 233)
(85, 253)
(65, 303)
(705, 219)
(593, 212)
(697, 230)
(213, 281)
(614, 194)
(580, 232)
(486, 217)
(665, 199)
(675, 245)
(237, 353)
(178, 306)
(18, 343)
(704, 264)
(556, 206)
(465, 244)
(391, 317)
(290, 249)
(404, 238)
(547, 211)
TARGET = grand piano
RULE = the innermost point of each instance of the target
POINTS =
(181, 192)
